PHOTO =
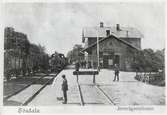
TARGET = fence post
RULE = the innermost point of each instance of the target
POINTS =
(77, 76)
(94, 78)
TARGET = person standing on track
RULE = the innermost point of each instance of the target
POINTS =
(116, 69)
(64, 88)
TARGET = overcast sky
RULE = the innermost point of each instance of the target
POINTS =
(58, 26)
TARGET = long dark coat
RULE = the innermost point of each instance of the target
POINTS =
(64, 85)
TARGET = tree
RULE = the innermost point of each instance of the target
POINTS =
(147, 60)
(20, 55)
(39, 59)
(75, 54)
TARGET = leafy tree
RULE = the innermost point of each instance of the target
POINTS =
(147, 60)
(75, 54)
(19, 51)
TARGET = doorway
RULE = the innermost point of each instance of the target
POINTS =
(107, 61)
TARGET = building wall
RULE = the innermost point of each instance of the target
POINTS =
(118, 48)
(134, 41)
(90, 41)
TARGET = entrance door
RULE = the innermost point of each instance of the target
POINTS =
(110, 61)
(107, 61)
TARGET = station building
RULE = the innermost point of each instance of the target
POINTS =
(117, 45)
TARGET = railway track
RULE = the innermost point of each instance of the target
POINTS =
(18, 91)
(38, 91)
(80, 94)
(35, 93)
(108, 99)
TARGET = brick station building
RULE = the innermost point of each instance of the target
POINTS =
(117, 45)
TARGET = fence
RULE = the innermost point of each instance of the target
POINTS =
(149, 77)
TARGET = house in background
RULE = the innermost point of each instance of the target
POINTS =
(117, 45)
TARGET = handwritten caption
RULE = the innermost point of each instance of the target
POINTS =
(133, 108)
(28, 110)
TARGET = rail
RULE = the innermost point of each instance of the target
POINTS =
(105, 95)
(80, 95)
(37, 92)
(10, 95)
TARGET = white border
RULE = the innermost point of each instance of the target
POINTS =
(74, 109)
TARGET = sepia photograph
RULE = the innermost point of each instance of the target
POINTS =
(84, 54)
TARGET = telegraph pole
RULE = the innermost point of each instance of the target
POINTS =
(98, 61)
(15, 55)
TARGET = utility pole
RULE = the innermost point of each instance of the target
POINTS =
(15, 55)
(98, 61)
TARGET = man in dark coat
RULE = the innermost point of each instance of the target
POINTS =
(77, 66)
(64, 88)
(116, 69)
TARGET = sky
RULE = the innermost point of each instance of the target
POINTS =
(58, 26)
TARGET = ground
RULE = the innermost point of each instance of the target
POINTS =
(127, 91)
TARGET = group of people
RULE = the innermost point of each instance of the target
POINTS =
(77, 66)
(84, 64)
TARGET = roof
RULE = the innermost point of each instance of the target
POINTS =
(124, 32)
(124, 42)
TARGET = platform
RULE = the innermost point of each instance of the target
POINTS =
(127, 91)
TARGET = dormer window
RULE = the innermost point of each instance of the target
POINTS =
(107, 32)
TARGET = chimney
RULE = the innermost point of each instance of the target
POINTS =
(101, 25)
(118, 27)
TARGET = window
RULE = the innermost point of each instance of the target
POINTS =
(107, 32)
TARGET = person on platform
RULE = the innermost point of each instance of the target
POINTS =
(64, 88)
(77, 66)
(116, 69)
